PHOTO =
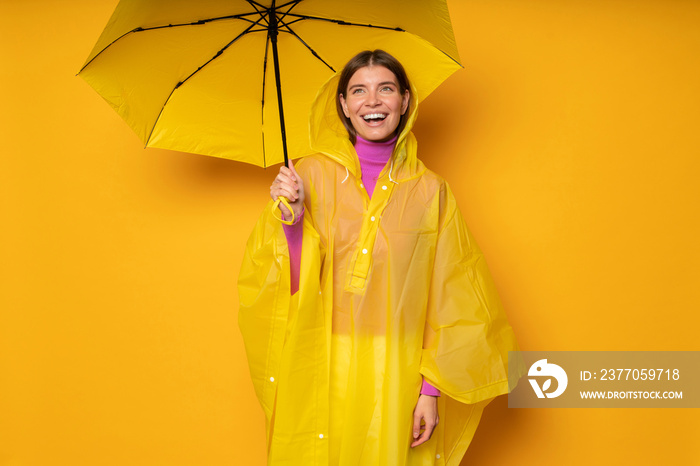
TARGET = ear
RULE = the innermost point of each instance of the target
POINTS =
(404, 103)
(344, 105)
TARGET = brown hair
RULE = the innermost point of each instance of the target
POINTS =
(371, 58)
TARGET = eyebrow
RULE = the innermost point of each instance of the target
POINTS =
(380, 84)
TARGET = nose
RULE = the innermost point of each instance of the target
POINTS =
(372, 98)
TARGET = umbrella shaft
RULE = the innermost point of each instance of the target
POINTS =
(272, 34)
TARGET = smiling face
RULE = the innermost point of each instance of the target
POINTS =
(374, 103)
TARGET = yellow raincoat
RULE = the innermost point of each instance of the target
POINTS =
(390, 288)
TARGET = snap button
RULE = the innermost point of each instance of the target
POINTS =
(272, 379)
(437, 456)
(320, 435)
(384, 187)
(372, 218)
(364, 251)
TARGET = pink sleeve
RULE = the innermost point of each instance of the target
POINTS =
(429, 389)
(294, 234)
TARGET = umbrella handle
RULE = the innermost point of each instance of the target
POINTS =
(283, 200)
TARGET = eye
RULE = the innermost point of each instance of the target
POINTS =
(358, 90)
(387, 89)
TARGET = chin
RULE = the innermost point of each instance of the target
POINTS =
(377, 137)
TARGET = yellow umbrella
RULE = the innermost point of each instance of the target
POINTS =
(194, 76)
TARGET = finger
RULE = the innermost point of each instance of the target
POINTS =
(429, 428)
(286, 180)
(289, 195)
(293, 170)
(417, 417)
(420, 440)
(424, 436)
(289, 191)
(287, 172)
(287, 185)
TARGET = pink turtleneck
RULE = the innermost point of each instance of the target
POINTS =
(373, 158)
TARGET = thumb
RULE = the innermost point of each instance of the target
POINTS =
(294, 171)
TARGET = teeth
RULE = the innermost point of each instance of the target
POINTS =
(373, 116)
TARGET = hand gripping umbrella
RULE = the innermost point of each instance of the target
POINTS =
(194, 76)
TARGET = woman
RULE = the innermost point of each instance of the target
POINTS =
(372, 311)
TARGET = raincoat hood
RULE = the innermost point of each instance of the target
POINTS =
(328, 135)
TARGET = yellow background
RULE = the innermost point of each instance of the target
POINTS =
(570, 139)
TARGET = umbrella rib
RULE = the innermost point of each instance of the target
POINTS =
(255, 4)
(242, 16)
(313, 52)
(347, 23)
(197, 23)
(295, 21)
(261, 12)
(293, 3)
(262, 106)
(217, 55)
(341, 22)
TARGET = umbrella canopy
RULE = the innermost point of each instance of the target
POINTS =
(205, 77)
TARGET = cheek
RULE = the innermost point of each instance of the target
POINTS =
(355, 110)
